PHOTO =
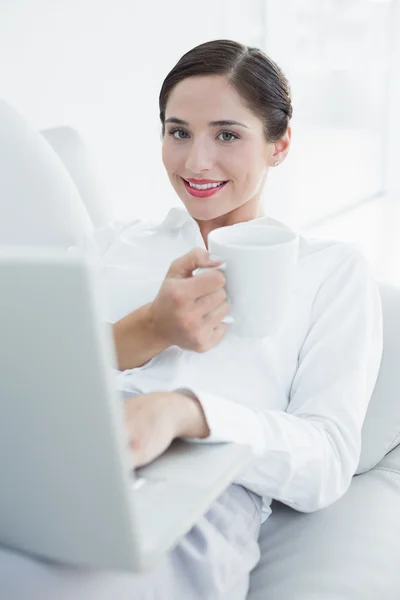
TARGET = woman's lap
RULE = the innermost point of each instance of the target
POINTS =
(212, 561)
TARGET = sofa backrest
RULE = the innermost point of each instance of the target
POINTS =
(381, 430)
(76, 157)
(39, 202)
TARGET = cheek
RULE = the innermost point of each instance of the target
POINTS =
(233, 163)
(173, 157)
(246, 167)
(166, 155)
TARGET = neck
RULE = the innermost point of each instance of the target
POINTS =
(239, 215)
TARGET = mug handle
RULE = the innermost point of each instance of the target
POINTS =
(228, 320)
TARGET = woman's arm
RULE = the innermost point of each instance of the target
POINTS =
(155, 419)
(187, 312)
(306, 457)
(136, 340)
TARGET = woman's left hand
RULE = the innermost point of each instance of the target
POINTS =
(155, 420)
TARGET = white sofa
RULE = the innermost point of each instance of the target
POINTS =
(348, 551)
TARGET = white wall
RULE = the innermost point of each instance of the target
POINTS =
(391, 149)
(337, 56)
(98, 65)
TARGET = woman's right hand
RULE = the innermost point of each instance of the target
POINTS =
(188, 310)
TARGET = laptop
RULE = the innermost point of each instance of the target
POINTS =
(68, 492)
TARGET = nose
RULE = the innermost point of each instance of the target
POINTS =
(199, 158)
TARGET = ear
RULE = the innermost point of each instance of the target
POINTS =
(281, 149)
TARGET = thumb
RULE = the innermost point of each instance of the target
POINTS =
(198, 257)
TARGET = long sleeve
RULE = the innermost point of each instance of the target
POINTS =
(306, 456)
(94, 247)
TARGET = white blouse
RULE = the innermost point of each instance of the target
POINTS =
(298, 398)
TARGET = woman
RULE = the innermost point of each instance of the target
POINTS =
(298, 398)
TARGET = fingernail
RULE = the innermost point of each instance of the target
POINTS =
(214, 258)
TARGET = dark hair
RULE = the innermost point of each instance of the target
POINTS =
(256, 78)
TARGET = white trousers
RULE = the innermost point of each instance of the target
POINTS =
(212, 562)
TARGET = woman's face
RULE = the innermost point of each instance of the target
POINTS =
(214, 149)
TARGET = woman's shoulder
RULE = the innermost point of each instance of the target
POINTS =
(132, 230)
(327, 252)
(323, 260)
(322, 256)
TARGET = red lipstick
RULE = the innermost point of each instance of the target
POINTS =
(204, 193)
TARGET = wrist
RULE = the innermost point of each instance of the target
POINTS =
(136, 340)
(150, 327)
(147, 331)
(191, 420)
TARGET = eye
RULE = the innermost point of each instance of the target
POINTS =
(227, 136)
(179, 134)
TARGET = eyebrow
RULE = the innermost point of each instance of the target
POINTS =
(223, 123)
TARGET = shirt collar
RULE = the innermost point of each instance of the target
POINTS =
(178, 217)
(175, 219)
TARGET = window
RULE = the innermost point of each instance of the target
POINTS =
(335, 54)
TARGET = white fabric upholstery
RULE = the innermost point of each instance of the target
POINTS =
(381, 430)
(348, 551)
(73, 152)
(39, 203)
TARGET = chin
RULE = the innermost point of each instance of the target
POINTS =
(204, 213)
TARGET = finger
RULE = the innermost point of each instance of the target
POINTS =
(135, 455)
(214, 318)
(218, 333)
(185, 265)
(206, 283)
(206, 304)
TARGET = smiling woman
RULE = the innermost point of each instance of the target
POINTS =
(225, 112)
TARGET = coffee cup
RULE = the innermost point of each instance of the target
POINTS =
(259, 267)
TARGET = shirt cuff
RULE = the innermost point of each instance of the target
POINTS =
(228, 421)
(125, 383)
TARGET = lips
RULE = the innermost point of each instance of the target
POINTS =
(203, 193)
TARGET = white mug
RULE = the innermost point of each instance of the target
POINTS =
(259, 266)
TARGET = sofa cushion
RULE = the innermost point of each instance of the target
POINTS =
(348, 551)
(381, 430)
(39, 201)
(77, 158)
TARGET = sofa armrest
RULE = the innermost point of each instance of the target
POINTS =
(349, 550)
